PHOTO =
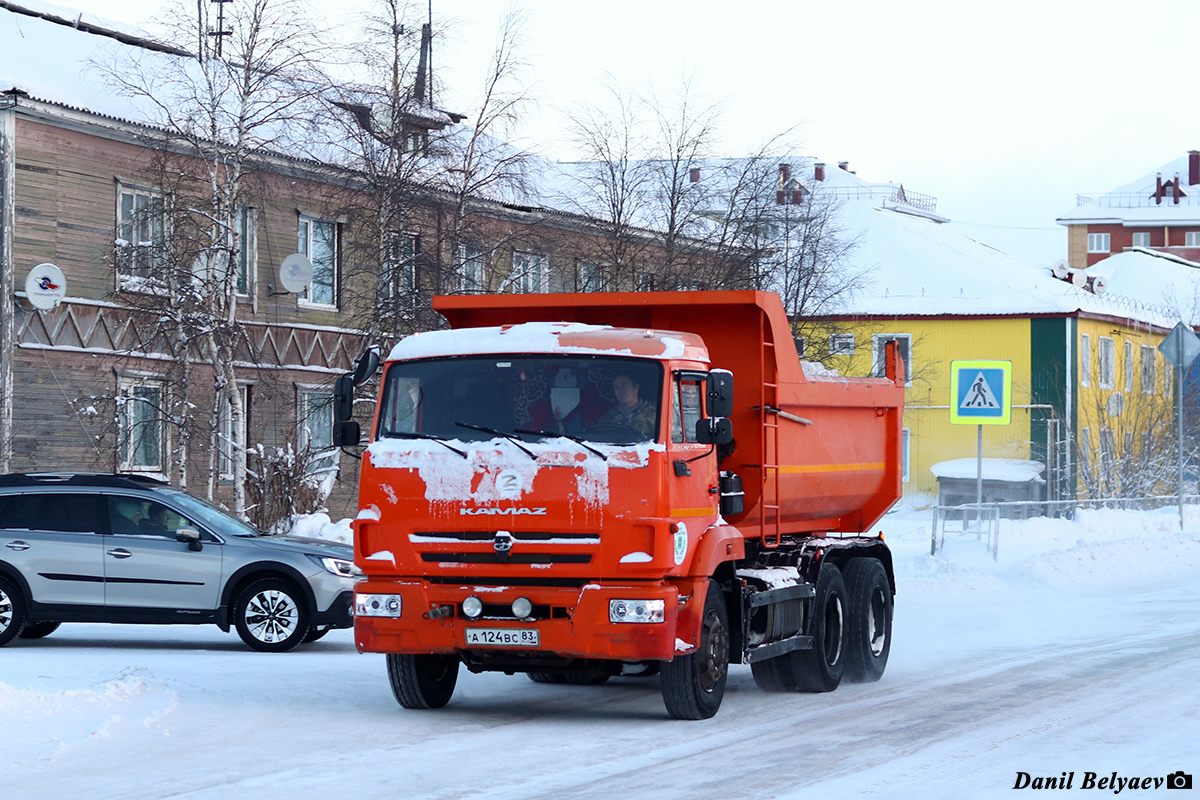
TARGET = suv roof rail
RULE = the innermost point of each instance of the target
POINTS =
(122, 480)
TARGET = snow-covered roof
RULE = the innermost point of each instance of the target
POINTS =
(1012, 470)
(1134, 204)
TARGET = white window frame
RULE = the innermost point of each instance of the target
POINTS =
(225, 433)
(399, 264)
(1099, 243)
(1149, 357)
(906, 453)
(1085, 360)
(1141, 238)
(246, 271)
(879, 349)
(1128, 366)
(307, 396)
(1191, 239)
(530, 272)
(471, 267)
(327, 269)
(131, 429)
(1106, 362)
(841, 344)
(141, 237)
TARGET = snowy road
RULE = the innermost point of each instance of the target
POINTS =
(1067, 656)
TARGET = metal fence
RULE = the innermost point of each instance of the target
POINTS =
(983, 520)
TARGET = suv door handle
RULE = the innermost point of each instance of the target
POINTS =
(17, 545)
(120, 552)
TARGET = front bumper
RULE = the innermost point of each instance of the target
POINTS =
(571, 622)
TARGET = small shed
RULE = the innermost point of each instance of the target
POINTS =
(1005, 480)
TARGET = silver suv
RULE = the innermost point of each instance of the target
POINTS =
(126, 548)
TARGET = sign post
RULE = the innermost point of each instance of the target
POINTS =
(980, 394)
(1181, 348)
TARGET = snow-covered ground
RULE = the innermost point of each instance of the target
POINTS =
(1077, 651)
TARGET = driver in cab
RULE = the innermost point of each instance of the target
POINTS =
(630, 410)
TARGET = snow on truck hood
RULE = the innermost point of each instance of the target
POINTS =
(574, 338)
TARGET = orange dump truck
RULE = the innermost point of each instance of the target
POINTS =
(577, 486)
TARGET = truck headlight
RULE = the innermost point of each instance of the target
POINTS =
(376, 605)
(637, 610)
(341, 567)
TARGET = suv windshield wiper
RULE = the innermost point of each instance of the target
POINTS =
(429, 436)
(551, 434)
(494, 432)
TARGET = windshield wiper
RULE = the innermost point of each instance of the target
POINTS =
(576, 439)
(494, 432)
(429, 436)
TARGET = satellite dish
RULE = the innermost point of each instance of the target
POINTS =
(1099, 285)
(1060, 269)
(1115, 404)
(45, 286)
(1079, 279)
(295, 273)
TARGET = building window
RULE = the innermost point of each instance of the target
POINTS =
(314, 417)
(225, 443)
(1149, 352)
(399, 276)
(591, 277)
(531, 272)
(247, 249)
(318, 239)
(1191, 239)
(879, 349)
(906, 453)
(643, 281)
(470, 262)
(1085, 360)
(1098, 243)
(142, 434)
(841, 344)
(1141, 239)
(141, 236)
(801, 346)
(1128, 366)
(1107, 456)
(1107, 362)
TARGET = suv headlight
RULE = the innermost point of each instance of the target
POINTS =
(636, 610)
(343, 568)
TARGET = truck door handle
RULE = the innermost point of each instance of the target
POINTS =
(120, 552)
(17, 545)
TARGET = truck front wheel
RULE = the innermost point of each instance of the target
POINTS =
(869, 629)
(422, 681)
(693, 685)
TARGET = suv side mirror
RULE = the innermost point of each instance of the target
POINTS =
(720, 393)
(191, 536)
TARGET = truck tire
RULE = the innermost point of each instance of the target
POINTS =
(422, 681)
(821, 668)
(774, 674)
(869, 626)
(12, 610)
(693, 685)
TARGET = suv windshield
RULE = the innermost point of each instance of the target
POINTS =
(609, 400)
(213, 517)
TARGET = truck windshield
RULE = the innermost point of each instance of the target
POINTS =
(597, 399)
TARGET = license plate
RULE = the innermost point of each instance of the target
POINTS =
(503, 637)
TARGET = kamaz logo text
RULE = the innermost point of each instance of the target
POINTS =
(492, 512)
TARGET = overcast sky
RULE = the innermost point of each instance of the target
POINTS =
(1003, 111)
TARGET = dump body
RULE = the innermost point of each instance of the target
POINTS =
(519, 513)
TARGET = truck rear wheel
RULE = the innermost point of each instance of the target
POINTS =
(821, 668)
(422, 681)
(869, 628)
(693, 685)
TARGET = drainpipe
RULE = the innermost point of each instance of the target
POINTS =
(8, 300)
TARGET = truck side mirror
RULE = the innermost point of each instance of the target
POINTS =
(368, 362)
(343, 398)
(714, 430)
(720, 393)
(346, 434)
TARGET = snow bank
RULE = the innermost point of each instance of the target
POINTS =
(320, 526)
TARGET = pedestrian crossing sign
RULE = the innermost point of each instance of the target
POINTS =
(980, 392)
